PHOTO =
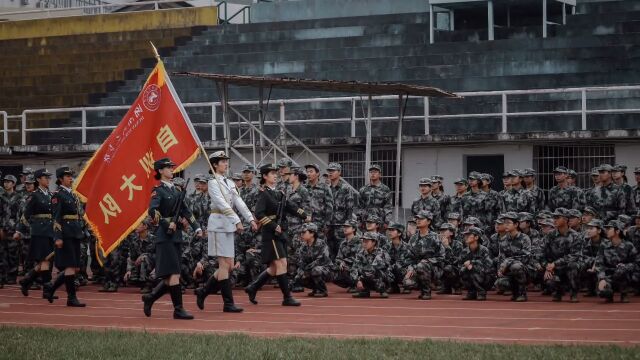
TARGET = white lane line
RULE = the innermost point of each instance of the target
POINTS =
(377, 316)
(236, 320)
(311, 334)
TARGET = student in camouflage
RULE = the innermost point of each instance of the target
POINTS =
(345, 202)
(426, 202)
(371, 268)
(450, 281)
(513, 259)
(375, 197)
(476, 266)
(320, 198)
(562, 195)
(347, 252)
(593, 240)
(535, 193)
(399, 253)
(616, 263)
(426, 256)
(314, 263)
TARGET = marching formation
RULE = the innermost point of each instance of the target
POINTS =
(288, 226)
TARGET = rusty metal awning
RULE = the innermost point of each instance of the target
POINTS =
(354, 87)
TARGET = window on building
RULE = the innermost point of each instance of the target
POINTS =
(581, 158)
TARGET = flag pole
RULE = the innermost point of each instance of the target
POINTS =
(183, 111)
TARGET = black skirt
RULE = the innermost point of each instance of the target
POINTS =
(40, 248)
(68, 256)
(273, 249)
(168, 258)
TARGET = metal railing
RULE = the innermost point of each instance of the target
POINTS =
(105, 8)
(353, 119)
(226, 19)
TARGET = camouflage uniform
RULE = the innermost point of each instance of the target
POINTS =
(451, 267)
(513, 259)
(321, 204)
(399, 255)
(344, 260)
(314, 264)
(636, 191)
(590, 250)
(145, 250)
(565, 252)
(493, 206)
(426, 256)
(516, 200)
(249, 195)
(427, 204)
(301, 198)
(567, 198)
(609, 201)
(455, 204)
(199, 202)
(345, 202)
(474, 204)
(11, 205)
(616, 265)
(375, 199)
(444, 200)
(482, 274)
(115, 265)
(372, 269)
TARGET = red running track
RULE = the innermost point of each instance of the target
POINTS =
(446, 317)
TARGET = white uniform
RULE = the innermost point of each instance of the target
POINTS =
(222, 222)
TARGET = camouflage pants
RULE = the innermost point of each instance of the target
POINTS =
(589, 279)
(293, 244)
(142, 273)
(12, 251)
(84, 257)
(27, 264)
(314, 279)
(113, 268)
(398, 276)
(253, 265)
(375, 281)
(334, 238)
(475, 280)
(567, 276)
(425, 274)
(617, 280)
(450, 277)
(514, 275)
(343, 278)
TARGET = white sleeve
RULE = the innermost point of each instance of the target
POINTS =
(219, 203)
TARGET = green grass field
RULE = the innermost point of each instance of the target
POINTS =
(50, 344)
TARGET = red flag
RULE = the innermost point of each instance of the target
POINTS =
(117, 181)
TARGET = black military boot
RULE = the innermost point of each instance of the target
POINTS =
(425, 294)
(624, 298)
(445, 290)
(26, 282)
(364, 294)
(227, 297)
(176, 298)
(212, 285)
(49, 289)
(287, 300)
(574, 296)
(252, 289)
(155, 294)
(522, 293)
(471, 295)
(72, 299)
(321, 289)
(557, 296)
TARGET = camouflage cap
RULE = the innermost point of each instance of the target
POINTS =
(636, 170)
(437, 178)
(454, 216)
(312, 227)
(572, 173)
(285, 162)
(249, 168)
(461, 181)
(590, 210)
(396, 226)
(615, 224)
(529, 172)
(485, 176)
(474, 175)
(353, 222)
(595, 171)
(424, 214)
(10, 177)
(375, 167)
(561, 170)
(505, 174)
(510, 215)
(561, 212)
(26, 171)
(471, 220)
(334, 166)
(605, 167)
(425, 181)
(525, 216)
(575, 213)
(547, 222)
(373, 218)
(625, 219)
(236, 176)
(200, 178)
(370, 236)
(315, 166)
(596, 223)
(300, 173)
(473, 230)
(447, 226)
(620, 167)
(30, 179)
(499, 221)
(544, 214)
(178, 181)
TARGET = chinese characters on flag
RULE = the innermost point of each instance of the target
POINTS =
(116, 183)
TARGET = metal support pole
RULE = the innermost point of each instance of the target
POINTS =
(282, 118)
(261, 119)
(490, 19)
(214, 116)
(5, 124)
(584, 109)
(225, 116)
(84, 127)
(24, 128)
(427, 129)
(564, 14)
(430, 24)
(451, 20)
(367, 150)
(544, 19)
(353, 117)
(504, 113)
(399, 155)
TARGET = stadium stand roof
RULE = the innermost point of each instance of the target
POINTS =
(354, 87)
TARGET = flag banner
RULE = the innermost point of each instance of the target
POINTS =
(116, 183)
